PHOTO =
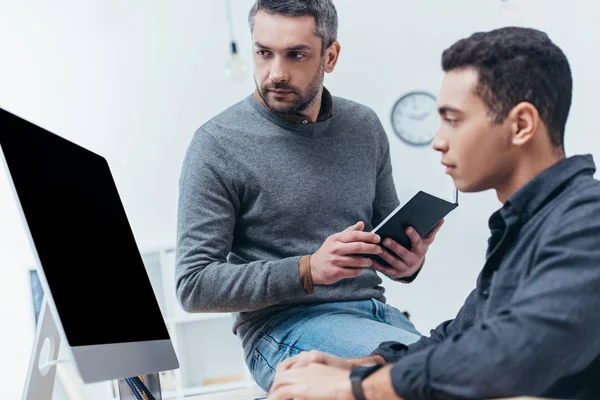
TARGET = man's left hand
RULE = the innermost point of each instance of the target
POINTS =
(313, 382)
(406, 262)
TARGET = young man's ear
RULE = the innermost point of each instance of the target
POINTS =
(524, 119)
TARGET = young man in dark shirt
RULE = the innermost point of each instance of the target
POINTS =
(532, 324)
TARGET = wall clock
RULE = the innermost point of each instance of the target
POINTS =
(415, 119)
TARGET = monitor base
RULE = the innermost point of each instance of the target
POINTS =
(39, 384)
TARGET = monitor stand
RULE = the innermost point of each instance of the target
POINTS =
(41, 373)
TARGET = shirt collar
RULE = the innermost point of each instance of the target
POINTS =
(526, 201)
(325, 112)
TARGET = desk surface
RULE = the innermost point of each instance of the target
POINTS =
(254, 392)
(239, 394)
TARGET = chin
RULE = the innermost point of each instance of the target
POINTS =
(464, 186)
(471, 187)
(279, 106)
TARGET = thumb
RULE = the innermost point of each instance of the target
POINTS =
(359, 226)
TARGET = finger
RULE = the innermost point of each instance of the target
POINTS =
(358, 248)
(352, 262)
(358, 236)
(286, 392)
(299, 360)
(279, 380)
(284, 379)
(431, 235)
(400, 252)
(288, 364)
(415, 240)
(391, 272)
(359, 226)
(399, 265)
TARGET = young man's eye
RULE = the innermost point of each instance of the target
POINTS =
(262, 53)
(296, 55)
(451, 121)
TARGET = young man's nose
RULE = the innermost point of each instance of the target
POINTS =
(439, 143)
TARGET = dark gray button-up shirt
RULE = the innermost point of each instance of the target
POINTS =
(532, 324)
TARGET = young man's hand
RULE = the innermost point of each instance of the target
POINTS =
(316, 357)
(406, 262)
(314, 382)
(334, 262)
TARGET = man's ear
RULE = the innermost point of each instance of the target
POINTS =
(525, 120)
(332, 54)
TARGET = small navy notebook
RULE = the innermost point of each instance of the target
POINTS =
(422, 212)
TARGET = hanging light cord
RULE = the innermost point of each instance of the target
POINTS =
(230, 22)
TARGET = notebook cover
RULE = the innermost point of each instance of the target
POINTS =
(422, 212)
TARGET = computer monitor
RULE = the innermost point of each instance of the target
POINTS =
(96, 286)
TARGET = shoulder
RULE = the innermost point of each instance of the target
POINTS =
(217, 132)
(577, 210)
(581, 197)
(232, 117)
(362, 119)
(354, 109)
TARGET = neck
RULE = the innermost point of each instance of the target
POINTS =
(525, 171)
(312, 111)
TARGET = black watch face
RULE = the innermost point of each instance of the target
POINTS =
(364, 370)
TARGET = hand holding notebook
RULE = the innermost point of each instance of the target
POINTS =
(423, 212)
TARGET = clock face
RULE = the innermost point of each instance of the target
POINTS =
(415, 119)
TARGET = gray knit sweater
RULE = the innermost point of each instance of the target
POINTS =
(258, 191)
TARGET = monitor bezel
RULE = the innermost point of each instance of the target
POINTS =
(119, 360)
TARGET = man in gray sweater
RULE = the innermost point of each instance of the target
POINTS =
(279, 193)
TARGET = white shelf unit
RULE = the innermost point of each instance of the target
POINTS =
(210, 355)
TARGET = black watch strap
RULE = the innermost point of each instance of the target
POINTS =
(357, 376)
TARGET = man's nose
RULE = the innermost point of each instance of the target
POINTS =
(440, 143)
(278, 71)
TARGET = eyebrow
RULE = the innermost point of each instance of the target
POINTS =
(298, 47)
(446, 109)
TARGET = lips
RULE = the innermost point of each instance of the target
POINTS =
(279, 91)
(449, 167)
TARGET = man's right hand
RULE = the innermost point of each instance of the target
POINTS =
(333, 262)
(306, 358)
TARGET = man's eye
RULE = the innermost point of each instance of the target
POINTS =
(297, 55)
(450, 121)
(262, 53)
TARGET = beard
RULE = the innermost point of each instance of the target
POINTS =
(303, 99)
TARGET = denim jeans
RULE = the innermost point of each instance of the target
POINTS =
(344, 329)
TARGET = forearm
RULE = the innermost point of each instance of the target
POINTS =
(378, 386)
(225, 287)
(373, 359)
(492, 359)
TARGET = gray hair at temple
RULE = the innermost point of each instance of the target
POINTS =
(323, 11)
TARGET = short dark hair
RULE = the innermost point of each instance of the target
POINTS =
(323, 11)
(516, 65)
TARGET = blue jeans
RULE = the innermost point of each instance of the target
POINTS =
(344, 329)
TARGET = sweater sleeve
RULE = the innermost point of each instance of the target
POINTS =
(207, 209)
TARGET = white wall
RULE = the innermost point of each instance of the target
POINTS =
(133, 80)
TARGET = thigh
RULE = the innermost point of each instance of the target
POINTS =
(396, 318)
(344, 329)
(345, 334)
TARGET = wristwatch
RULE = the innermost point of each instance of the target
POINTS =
(357, 375)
